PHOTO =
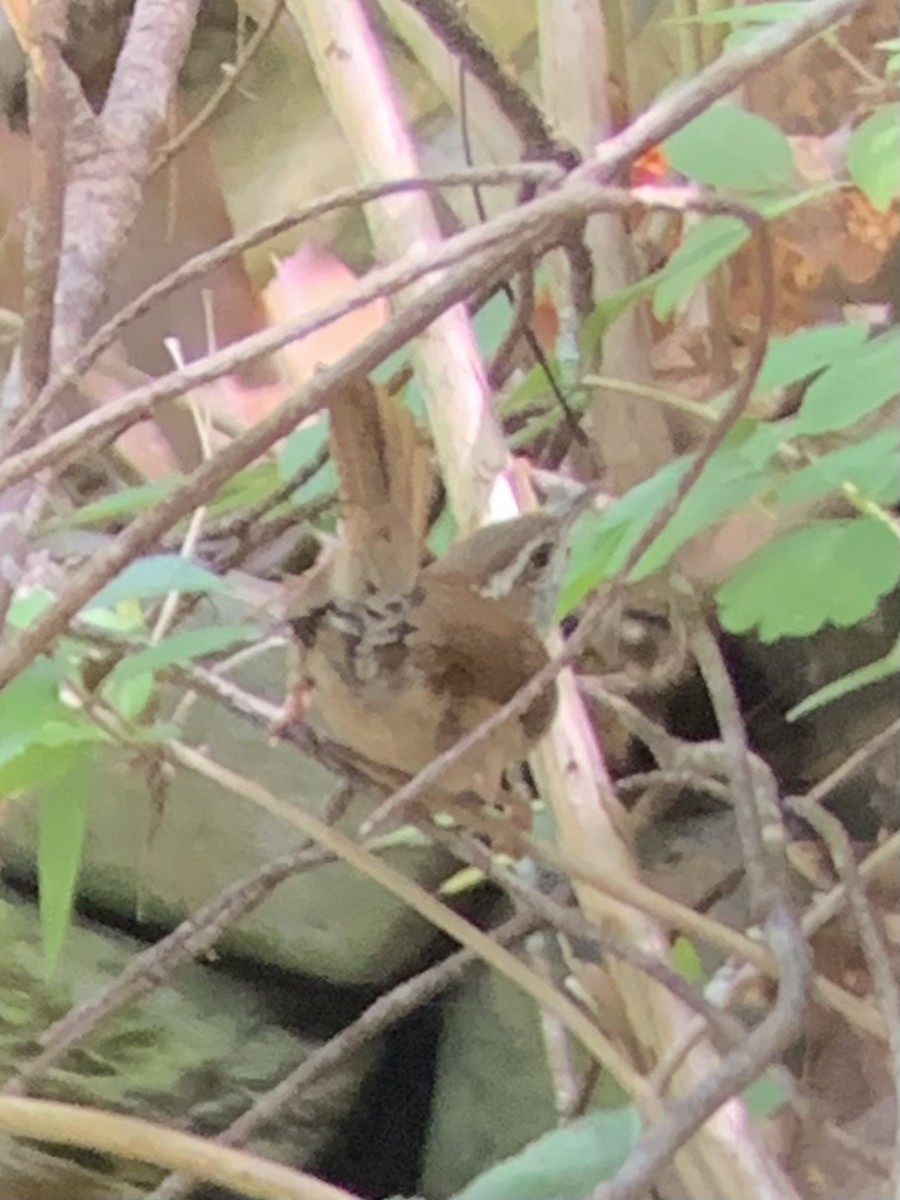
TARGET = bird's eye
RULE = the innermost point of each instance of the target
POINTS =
(540, 556)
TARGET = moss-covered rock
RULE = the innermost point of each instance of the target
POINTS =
(193, 1054)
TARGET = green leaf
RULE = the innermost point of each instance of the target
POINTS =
(182, 647)
(299, 452)
(703, 249)
(442, 533)
(62, 820)
(734, 474)
(528, 392)
(253, 485)
(766, 1095)
(157, 575)
(601, 543)
(28, 604)
(129, 697)
(828, 572)
(34, 718)
(870, 466)
(127, 617)
(851, 682)
(42, 760)
(120, 504)
(566, 1164)
(873, 152)
(608, 311)
(856, 385)
(799, 355)
(491, 323)
(30, 700)
(728, 147)
(462, 881)
(686, 961)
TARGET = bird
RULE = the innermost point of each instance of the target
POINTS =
(400, 656)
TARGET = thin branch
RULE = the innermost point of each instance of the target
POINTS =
(447, 21)
(201, 264)
(871, 932)
(589, 942)
(104, 193)
(686, 920)
(686, 101)
(477, 255)
(437, 913)
(380, 1016)
(153, 968)
(232, 78)
(881, 860)
(129, 1137)
(782, 931)
(47, 161)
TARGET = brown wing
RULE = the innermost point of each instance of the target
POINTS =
(469, 647)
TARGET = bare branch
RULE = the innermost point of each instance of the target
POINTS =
(133, 1138)
(782, 930)
(107, 174)
(47, 117)
(233, 77)
(381, 1015)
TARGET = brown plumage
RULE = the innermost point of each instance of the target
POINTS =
(402, 659)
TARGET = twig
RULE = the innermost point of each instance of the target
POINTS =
(825, 907)
(168, 611)
(47, 111)
(129, 1137)
(681, 104)
(233, 77)
(871, 933)
(589, 942)
(201, 264)
(683, 919)
(522, 307)
(380, 1016)
(428, 907)
(783, 933)
(474, 257)
(241, 523)
(154, 966)
(448, 23)
(852, 763)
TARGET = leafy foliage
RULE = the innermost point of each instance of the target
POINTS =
(567, 1163)
(728, 147)
(827, 572)
(873, 153)
(824, 572)
(42, 709)
(871, 673)
(853, 387)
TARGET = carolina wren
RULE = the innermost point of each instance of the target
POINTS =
(400, 656)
